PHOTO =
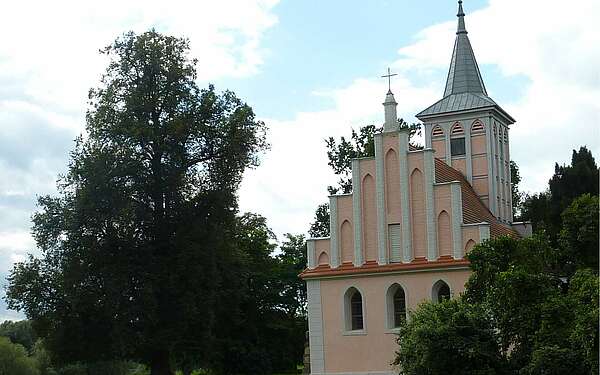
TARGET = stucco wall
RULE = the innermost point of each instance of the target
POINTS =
(373, 350)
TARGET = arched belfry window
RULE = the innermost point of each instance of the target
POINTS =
(437, 132)
(440, 291)
(457, 141)
(353, 310)
(396, 306)
(477, 127)
(457, 129)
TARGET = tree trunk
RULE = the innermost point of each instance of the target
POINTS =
(160, 364)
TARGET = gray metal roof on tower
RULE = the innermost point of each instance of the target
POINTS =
(464, 88)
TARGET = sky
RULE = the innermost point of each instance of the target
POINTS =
(310, 70)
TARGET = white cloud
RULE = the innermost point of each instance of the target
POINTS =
(553, 45)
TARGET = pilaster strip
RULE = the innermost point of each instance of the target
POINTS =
(334, 255)
(405, 199)
(509, 179)
(457, 220)
(357, 212)
(428, 128)
(380, 193)
(315, 326)
(489, 135)
(469, 156)
(500, 171)
(447, 134)
(310, 253)
(430, 204)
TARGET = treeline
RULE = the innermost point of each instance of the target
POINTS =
(271, 328)
(531, 305)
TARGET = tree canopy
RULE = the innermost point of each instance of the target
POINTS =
(140, 253)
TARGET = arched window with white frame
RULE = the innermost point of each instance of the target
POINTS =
(395, 306)
(440, 291)
(353, 310)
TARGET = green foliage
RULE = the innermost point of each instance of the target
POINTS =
(14, 359)
(140, 255)
(516, 195)
(538, 316)
(568, 182)
(340, 155)
(20, 332)
(320, 227)
(292, 261)
(579, 235)
(450, 337)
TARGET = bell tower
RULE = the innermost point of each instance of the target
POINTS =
(469, 131)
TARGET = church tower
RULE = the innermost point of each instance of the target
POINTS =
(469, 131)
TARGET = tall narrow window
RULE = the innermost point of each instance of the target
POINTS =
(399, 307)
(457, 147)
(440, 291)
(394, 233)
(356, 311)
(444, 293)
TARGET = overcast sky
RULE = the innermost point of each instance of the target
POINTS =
(310, 69)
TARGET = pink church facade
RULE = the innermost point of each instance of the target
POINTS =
(401, 236)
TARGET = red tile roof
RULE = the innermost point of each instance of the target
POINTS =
(474, 211)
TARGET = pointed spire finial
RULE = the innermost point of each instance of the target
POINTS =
(461, 19)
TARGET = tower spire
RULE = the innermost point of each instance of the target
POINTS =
(464, 75)
(461, 19)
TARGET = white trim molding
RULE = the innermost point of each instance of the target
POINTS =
(429, 168)
(315, 327)
(405, 199)
(357, 212)
(334, 252)
(469, 156)
(310, 253)
(380, 195)
(457, 219)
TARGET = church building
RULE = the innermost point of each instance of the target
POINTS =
(402, 234)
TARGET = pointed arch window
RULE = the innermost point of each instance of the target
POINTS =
(353, 310)
(457, 129)
(399, 307)
(395, 306)
(437, 132)
(440, 291)
(477, 127)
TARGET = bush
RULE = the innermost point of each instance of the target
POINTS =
(448, 338)
(14, 359)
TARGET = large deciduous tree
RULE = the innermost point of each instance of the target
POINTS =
(139, 251)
